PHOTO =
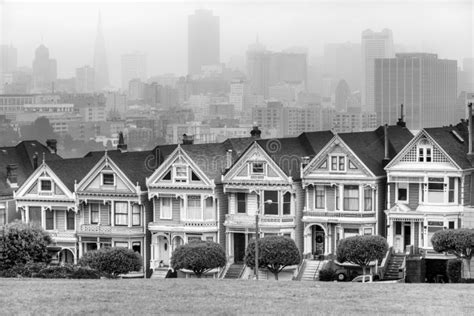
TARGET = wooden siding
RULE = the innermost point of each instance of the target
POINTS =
(299, 205)
(413, 195)
(310, 195)
(86, 213)
(231, 203)
(104, 215)
(392, 195)
(60, 220)
(331, 198)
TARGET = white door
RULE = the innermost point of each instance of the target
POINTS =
(163, 251)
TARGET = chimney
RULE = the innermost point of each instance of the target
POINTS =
(255, 132)
(52, 145)
(121, 144)
(12, 176)
(35, 161)
(188, 139)
(401, 120)
(386, 156)
(228, 159)
(470, 128)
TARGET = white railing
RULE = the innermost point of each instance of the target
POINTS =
(244, 219)
(58, 235)
(200, 223)
(106, 229)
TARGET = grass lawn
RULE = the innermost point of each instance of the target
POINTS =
(230, 297)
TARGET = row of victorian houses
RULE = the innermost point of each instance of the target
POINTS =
(317, 188)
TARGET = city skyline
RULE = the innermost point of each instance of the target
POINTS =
(167, 51)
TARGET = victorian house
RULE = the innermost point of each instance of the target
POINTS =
(430, 188)
(344, 187)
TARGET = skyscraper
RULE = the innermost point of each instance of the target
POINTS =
(101, 69)
(258, 69)
(133, 67)
(342, 95)
(85, 79)
(374, 45)
(424, 84)
(289, 66)
(343, 61)
(203, 40)
(44, 70)
(8, 59)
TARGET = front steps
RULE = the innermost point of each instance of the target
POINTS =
(234, 271)
(159, 273)
(311, 270)
(392, 272)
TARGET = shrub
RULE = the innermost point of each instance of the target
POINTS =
(111, 262)
(21, 243)
(56, 272)
(362, 250)
(274, 253)
(453, 270)
(84, 273)
(199, 257)
(326, 274)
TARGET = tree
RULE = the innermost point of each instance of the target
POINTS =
(199, 257)
(40, 130)
(362, 250)
(458, 242)
(22, 243)
(274, 253)
(112, 262)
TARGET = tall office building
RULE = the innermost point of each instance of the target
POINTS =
(374, 45)
(288, 67)
(258, 69)
(44, 70)
(133, 67)
(8, 59)
(342, 94)
(424, 84)
(101, 70)
(203, 40)
(342, 61)
(85, 79)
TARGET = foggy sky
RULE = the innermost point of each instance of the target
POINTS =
(159, 28)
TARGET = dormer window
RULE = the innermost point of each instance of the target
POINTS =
(181, 173)
(46, 185)
(425, 151)
(108, 179)
(257, 168)
(338, 163)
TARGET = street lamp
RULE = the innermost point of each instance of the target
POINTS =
(256, 238)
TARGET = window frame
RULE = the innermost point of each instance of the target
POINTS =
(286, 205)
(103, 179)
(270, 206)
(252, 168)
(90, 213)
(338, 160)
(370, 197)
(162, 215)
(194, 197)
(40, 185)
(241, 202)
(134, 213)
(118, 215)
(53, 219)
(320, 188)
(350, 198)
(73, 219)
(181, 178)
(397, 194)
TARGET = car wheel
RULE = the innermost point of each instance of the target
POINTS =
(341, 277)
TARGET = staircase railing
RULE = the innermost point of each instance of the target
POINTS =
(222, 273)
(242, 271)
(301, 268)
(317, 269)
(385, 262)
(402, 271)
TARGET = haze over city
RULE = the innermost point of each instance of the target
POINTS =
(159, 29)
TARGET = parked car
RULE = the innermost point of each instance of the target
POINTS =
(348, 272)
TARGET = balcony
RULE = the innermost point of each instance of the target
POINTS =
(345, 214)
(244, 220)
(62, 236)
(110, 230)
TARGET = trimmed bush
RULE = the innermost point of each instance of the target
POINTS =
(199, 257)
(21, 243)
(27, 270)
(68, 272)
(326, 274)
(453, 270)
(111, 262)
(274, 253)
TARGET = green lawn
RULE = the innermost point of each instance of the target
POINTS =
(230, 297)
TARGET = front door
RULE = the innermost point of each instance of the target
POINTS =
(318, 240)
(239, 247)
(407, 235)
(163, 251)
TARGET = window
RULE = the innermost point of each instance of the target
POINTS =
(402, 192)
(70, 220)
(241, 203)
(398, 228)
(209, 209)
(338, 163)
(194, 177)
(121, 244)
(257, 167)
(108, 179)
(349, 232)
(209, 238)
(351, 198)
(287, 203)
(194, 207)
(338, 193)
(167, 176)
(194, 238)
(368, 231)
(451, 190)
(137, 247)
(49, 218)
(270, 208)
(433, 227)
(94, 208)
(136, 215)
(121, 213)
(451, 225)
(352, 166)
(424, 151)
(435, 190)
(368, 200)
(165, 209)
(181, 173)
(46, 185)
(319, 197)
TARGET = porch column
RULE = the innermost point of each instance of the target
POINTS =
(307, 240)
(80, 248)
(129, 214)
(390, 232)
(412, 238)
(27, 214)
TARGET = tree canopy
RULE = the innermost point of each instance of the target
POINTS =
(112, 262)
(22, 243)
(458, 242)
(362, 250)
(274, 253)
(198, 257)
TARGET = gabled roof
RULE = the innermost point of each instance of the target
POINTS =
(210, 158)
(447, 140)
(73, 170)
(22, 155)
(369, 147)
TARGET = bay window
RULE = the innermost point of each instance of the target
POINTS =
(70, 220)
(194, 208)
(368, 205)
(209, 209)
(94, 209)
(49, 219)
(402, 192)
(270, 208)
(433, 227)
(435, 190)
(121, 213)
(351, 198)
(136, 215)
(287, 203)
(241, 203)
